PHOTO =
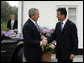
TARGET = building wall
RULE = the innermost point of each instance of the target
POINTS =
(48, 17)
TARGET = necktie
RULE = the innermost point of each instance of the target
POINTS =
(61, 26)
(37, 26)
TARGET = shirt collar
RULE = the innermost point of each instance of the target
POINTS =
(12, 19)
(65, 21)
(32, 20)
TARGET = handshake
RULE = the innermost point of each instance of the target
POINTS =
(44, 42)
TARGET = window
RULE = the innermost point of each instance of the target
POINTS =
(72, 14)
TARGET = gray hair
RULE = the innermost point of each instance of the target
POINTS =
(32, 11)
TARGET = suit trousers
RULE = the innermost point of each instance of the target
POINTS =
(64, 60)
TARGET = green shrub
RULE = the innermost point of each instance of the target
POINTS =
(4, 26)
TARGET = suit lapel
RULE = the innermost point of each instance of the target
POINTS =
(33, 25)
(14, 23)
(59, 27)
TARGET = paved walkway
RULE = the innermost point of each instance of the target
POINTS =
(78, 58)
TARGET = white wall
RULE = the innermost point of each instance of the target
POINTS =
(48, 17)
(47, 12)
(20, 18)
(80, 23)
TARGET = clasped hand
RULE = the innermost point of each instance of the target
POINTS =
(44, 42)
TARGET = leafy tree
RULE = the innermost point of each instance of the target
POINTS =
(7, 10)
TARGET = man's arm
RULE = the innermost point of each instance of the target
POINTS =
(74, 39)
(8, 24)
(16, 24)
(27, 37)
(52, 37)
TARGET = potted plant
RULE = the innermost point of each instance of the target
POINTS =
(49, 48)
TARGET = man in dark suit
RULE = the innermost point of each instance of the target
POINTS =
(66, 36)
(12, 23)
(32, 39)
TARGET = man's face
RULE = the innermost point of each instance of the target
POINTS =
(59, 16)
(36, 16)
(12, 17)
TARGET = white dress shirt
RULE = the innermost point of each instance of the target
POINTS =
(12, 23)
(32, 20)
(64, 23)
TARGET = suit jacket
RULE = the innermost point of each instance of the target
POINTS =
(32, 38)
(15, 26)
(67, 40)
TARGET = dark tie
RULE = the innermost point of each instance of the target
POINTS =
(61, 25)
(37, 26)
